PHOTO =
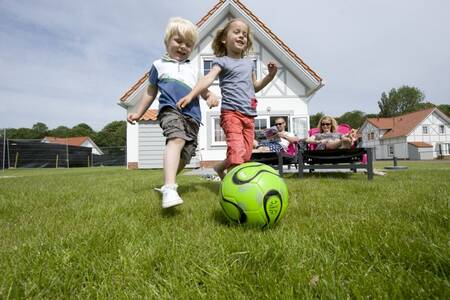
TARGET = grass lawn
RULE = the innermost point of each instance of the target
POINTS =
(100, 233)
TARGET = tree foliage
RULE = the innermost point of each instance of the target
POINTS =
(314, 119)
(113, 134)
(445, 108)
(400, 101)
(353, 118)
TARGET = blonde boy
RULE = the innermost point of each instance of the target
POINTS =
(174, 76)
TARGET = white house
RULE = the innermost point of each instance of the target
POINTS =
(287, 95)
(419, 135)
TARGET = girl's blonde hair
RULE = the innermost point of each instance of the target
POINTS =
(219, 47)
(185, 29)
(331, 119)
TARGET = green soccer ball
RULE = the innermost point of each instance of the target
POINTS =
(254, 194)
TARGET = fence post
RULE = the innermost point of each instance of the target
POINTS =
(57, 161)
(4, 148)
(17, 159)
(67, 153)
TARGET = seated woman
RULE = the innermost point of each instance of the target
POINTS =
(278, 140)
(328, 138)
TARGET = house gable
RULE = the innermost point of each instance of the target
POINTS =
(270, 46)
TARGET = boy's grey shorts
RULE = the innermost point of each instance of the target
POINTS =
(176, 125)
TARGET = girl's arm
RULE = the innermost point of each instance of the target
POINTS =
(211, 99)
(201, 85)
(260, 84)
(147, 99)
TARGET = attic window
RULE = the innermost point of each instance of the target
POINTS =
(441, 129)
(425, 129)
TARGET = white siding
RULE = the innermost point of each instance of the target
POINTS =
(151, 146)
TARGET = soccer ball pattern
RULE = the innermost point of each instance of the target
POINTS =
(253, 194)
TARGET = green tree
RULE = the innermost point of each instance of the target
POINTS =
(41, 129)
(445, 108)
(60, 131)
(400, 101)
(82, 129)
(354, 118)
(314, 119)
(113, 134)
(21, 133)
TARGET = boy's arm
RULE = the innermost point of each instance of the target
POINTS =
(201, 85)
(147, 99)
(260, 84)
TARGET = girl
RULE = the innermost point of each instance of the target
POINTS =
(238, 85)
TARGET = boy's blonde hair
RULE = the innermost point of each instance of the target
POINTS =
(219, 47)
(185, 29)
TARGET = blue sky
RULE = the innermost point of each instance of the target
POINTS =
(67, 62)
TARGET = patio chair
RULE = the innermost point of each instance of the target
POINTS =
(353, 159)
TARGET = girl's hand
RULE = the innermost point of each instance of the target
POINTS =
(273, 68)
(183, 102)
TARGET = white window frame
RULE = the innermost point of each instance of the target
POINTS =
(441, 129)
(202, 67)
(390, 150)
(293, 126)
(424, 129)
(213, 131)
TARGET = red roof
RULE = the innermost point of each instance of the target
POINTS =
(257, 21)
(401, 125)
(150, 115)
(73, 141)
(421, 144)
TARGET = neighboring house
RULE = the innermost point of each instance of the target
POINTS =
(287, 95)
(419, 135)
(82, 141)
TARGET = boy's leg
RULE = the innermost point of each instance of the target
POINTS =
(172, 159)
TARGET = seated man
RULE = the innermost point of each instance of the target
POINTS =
(278, 138)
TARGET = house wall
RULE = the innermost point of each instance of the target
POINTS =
(366, 130)
(132, 145)
(433, 136)
(416, 153)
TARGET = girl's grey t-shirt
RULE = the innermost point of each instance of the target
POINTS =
(236, 84)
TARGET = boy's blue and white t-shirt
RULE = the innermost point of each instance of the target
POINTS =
(175, 79)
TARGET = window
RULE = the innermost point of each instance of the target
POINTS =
(391, 151)
(372, 135)
(425, 129)
(218, 136)
(260, 123)
(299, 126)
(441, 129)
(207, 66)
(368, 136)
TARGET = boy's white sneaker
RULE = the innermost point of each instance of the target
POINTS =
(170, 196)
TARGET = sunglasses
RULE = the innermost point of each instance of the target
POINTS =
(326, 124)
(278, 124)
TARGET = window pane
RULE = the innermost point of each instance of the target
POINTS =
(219, 135)
(207, 65)
(299, 127)
(260, 124)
